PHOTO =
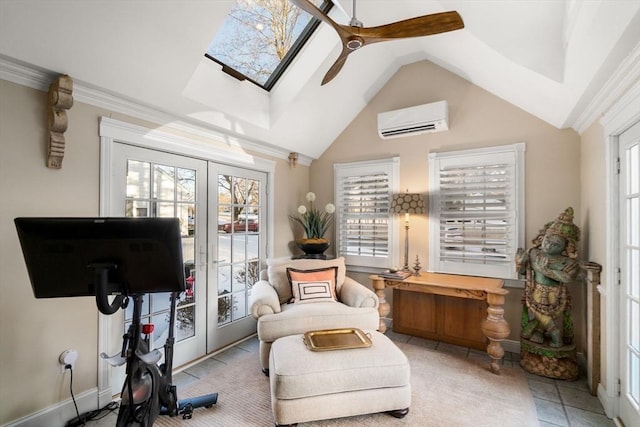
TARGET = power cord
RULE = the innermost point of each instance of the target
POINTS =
(80, 420)
(70, 368)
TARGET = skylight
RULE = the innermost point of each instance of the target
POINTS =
(260, 38)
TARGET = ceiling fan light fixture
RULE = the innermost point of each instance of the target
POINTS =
(355, 42)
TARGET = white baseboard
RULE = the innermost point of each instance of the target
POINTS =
(606, 401)
(59, 414)
(104, 398)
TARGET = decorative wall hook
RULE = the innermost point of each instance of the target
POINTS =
(60, 100)
(293, 159)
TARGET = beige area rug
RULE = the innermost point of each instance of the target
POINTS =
(447, 391)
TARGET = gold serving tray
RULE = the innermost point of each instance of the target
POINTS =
(336, 339)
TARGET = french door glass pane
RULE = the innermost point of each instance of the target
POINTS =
(634, 325)
(138, 179)
(224, 280)
(164, 182)
(239, 190)
(634, 221)
(160, 301)
(185, 324)
(239, 305)
(224, 189)
(634, 273)
(633, 170)
(253, 193)
(239, 246)
(238, 282)
(224, 248)
(186, 188)
(165, 210)
(634, 372)
(137, 208)
(224, 309)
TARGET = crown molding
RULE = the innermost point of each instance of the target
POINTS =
(37, 78)
(618, 84)
(22, 74)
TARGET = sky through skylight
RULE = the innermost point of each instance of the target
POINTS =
(259, 38)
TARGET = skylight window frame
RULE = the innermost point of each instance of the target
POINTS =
(282, 66)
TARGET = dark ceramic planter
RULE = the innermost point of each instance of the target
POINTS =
(313, 250)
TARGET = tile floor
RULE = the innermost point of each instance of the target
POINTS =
(559, 403)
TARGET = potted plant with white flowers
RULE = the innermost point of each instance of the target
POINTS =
(315, 223)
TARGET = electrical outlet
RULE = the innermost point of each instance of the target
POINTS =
(68, 357)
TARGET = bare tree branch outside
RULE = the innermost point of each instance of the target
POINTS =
(257, 35)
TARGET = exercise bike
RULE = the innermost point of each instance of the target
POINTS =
(147, 391)
(127, 258)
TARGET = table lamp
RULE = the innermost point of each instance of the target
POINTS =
(407, 203)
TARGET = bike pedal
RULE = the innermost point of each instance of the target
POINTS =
(187, 412)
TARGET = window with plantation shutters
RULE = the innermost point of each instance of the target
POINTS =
(365, 232)
(476, 211)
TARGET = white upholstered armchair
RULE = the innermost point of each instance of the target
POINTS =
(280, 312)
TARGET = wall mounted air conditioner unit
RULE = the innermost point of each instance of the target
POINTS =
(427, 118)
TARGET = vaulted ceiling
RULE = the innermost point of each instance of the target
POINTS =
(548, 57)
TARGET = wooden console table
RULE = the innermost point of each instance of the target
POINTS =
(448, 307)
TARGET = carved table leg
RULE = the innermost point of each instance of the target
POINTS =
(384, 308)
(496, 329)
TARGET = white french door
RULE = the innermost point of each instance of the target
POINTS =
(149, 183)
(237, 201)
(223, 214)
(629, 155)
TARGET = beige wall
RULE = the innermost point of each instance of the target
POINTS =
(33, 332)
(476, 119)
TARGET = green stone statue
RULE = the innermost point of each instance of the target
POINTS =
(547, 346)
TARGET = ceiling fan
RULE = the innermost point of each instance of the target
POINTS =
(355, 35)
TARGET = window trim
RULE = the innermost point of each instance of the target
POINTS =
(507, 271)
(391, 166)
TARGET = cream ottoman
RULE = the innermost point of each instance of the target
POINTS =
(315, 385)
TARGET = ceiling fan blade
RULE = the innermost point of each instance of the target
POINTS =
(353, 36)
(337, 66)
(414, 27)
(312, 10)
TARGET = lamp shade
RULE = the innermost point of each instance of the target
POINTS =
(407, 203)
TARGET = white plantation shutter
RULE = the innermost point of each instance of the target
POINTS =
(364, 212)
(476, 210)
(365, 234)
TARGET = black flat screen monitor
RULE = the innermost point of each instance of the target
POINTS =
(143, 255)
